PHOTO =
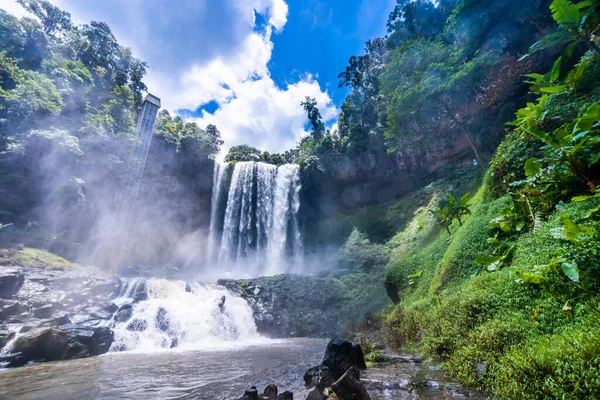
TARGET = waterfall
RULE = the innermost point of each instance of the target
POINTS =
(182, 315)
(260, 228)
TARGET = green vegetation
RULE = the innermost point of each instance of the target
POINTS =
(509, 301)
(37, 258)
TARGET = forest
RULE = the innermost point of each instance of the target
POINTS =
(454, 202)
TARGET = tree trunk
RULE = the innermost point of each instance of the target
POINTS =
(467, 136)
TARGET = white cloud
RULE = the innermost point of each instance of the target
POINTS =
(252, 110)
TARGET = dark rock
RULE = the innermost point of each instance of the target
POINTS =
(101, 314)
(124, 314)
(137, 325)
(392, 292)
(11, 310)
(285, 396)
(174, 343)
(44, 311)
(162, 320)
(5, 337)
(315, 394)
(222, 302)
(251, 394)
(141, 294)
(10, 283)
(58, 321)
(318, 376)
(270, 392)
(188, 288)
(110, 307)
(13, 360)
(341, 355)
(349, 388)
(292, 305)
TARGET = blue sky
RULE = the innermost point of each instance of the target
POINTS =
(243, 65)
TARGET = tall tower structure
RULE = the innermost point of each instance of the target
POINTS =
(137, 162)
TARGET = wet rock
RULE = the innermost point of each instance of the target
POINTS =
(174, 343)
(5, 337)
(290, 305)
(10, 282)
(222, 302)
(270, 392)
(315, 394)
(341, 355)
(141, 294)
(13, 360)
(318, 376)
(58, 321)
(110, 307)
(251, 394)
(188, 288)
(124, 314)
(285, 396)
(10, 310)
(44, 311)
(348, 387)
(101, 314)
(162, 320)
(137, 325)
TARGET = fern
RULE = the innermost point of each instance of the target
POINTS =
(565, 13)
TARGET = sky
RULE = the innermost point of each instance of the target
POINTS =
(243, 65)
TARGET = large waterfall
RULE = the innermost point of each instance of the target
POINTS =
(254, 228)
(164, 316)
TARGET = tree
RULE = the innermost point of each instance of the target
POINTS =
(243, 153)
(53, 19)
(314, 118)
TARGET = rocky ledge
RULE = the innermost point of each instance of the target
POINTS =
(292, 305)
(50, 313)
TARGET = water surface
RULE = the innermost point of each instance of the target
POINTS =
(216, 373)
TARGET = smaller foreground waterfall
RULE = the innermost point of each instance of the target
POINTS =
(256, 231)
(158, 313)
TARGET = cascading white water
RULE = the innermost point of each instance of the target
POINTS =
(260, 229)
(182, 315)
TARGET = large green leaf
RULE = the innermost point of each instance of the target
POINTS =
(565, 13)
(532, 167)
(571, 270)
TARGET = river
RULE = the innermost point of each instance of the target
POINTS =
(215, 373)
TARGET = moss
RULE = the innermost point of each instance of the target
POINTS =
(38, 258)
(508, 338)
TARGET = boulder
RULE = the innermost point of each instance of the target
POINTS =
(53, 344)
(341, 355)
(5, 337)
(137, 325)
(348, 387)
(10, 283)
(44, 311)
(124, 314)
(162, 320)
(141, 294)
(285, 396)
(270, 392)
(13, 360)
(110, 307)
(319, 376)
(10, 310)
(251, 394)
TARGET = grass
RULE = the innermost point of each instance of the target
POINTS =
(38, 258)
(511, 339)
